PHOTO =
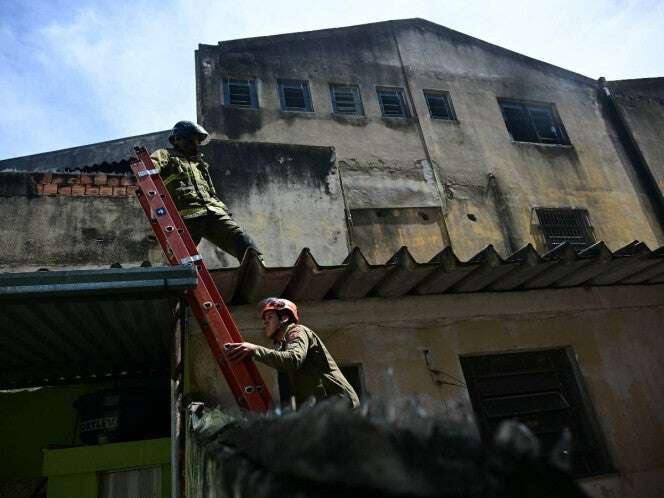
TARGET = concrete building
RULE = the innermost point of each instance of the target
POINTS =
(455, 140)
(529, 199)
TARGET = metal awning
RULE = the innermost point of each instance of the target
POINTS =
(487, 271)
(79, 326)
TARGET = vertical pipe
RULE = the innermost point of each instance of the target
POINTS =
(176, 399)
(425, 147)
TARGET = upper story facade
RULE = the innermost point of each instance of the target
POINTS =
(440, 139)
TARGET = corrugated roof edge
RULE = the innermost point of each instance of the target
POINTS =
(487, 271)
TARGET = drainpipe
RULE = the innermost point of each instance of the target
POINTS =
(420, 131)
(643, 171)
(177, 415)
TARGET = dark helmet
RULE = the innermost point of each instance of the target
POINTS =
(188, 128)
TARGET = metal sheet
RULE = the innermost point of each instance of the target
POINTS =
(69, 327)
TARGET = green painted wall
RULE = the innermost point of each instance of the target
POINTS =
(34, 423)
(72, 472)
(32, 420)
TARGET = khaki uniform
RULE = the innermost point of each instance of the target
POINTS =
(190, 185)
(311, 369)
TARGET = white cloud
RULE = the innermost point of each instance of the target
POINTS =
(102, 70)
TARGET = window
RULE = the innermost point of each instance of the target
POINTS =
(533, 122)
(240, 93)
(540, 389)
(143, 482)
(565, 225)
(346, 99)
(295, 96)
(392, 103)
(353, 374)
(440, 105)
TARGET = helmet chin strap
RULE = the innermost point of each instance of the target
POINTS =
(282, 328)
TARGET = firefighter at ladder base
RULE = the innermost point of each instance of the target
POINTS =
(187, 178)
(312, 372)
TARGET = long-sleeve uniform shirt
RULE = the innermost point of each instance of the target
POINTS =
(190, 185)
(311, 369)
(188, 181)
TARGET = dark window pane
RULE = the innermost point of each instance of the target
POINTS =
(240, 93)
(295, 96)
(439, 104)
(518, 123)
(346, 99)
(392, 103)
(544, 124)
(536, 123)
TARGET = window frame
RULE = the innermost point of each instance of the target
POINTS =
(406, 114)
(253, 92)
(448, 101)
(283, 84)
(357, 98)
(587, 229)
(592, 453)
(527, 107)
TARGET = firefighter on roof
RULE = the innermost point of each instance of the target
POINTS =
(187, 178)
(312, 372)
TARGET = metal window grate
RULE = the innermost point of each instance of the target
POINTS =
(240, 93)
(440, 105)
(295, 96)
(565, 225)
(392, 102)
(533, 122)
(346, 99)
(540, 389)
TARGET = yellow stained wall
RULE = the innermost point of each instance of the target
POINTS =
(614, 332)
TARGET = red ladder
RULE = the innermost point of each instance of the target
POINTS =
(205, 299)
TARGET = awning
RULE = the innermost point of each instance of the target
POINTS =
(487, 271)
(61, 327)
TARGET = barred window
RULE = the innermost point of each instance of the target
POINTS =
(533, 122)
(440, 104)
(346, 99)
(240, 93)
(393, 102)
(541, 390)
(565, 225)
(295, 95)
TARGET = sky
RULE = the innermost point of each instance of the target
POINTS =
(80, 72)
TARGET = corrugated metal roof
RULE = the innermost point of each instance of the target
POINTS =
(487, 271)
(109, 156)
(77, 326)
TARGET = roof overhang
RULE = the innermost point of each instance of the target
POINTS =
(65, 327)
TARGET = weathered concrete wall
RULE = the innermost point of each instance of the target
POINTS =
(62, 232)
(641, 103)
(284, 196)
(481, 171)
(615, 334)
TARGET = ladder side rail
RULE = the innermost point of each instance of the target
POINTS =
(206, 301)
(176, 250)
(170, 206)
(179, 224)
